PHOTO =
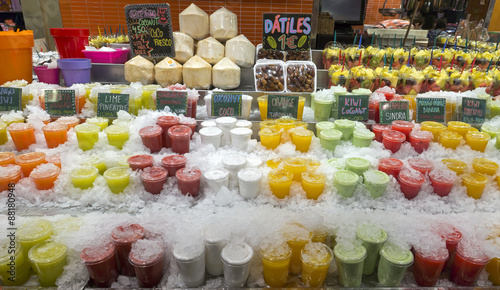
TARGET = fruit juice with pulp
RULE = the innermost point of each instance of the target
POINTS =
(22, 134)
(313, 184)
(83, 177)
(22, 272)
(276, 264)
(295, 165)
(123, 237)
(45, 175)
(188, 181)
(428, 267)
(301, 138)
(117, 135)
(33, 233)
(434, 127)
(99, 121)
(316, 259)
(350, 260)
(117, 178)
(30, 161)
(48, 260)
(280, 181)
(87, 135)
(270, 138)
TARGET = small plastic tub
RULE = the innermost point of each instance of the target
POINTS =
(101, 264)
(22, 134)
(30, 161)
(172, 163)
(45, 175)
(469, 261)
(393, 140)
(302, 138)
(313, 183)
(455, 165)
(117, 178)
(165, 122)
(378, 129)
(346, 127)
(375, 182)
(55, 134)
(87, 135)
(411, 182)
(442, 181)
(75, 70)
(249, 182)
(420, 140)
(151, 137)
(240, 138)
(123, 237)
(47, 75)
(459, 127)
(427, 267)
(70, 41)
(404, 127)
(362, 137)
(280, 181)
(449, 139)
(485, 166)
(270, 137)
(475, 183)
(148, 265)
(99, 121)
(420, 164)
(140, 162)
(117, 135)
(7, 158)
(191, 123)
(434, 127)
(83, 177)
(357, 165)
(9, 174)
(216, 178)
(211, 135)
(345, 182)
(188, 181)
(390, 166)
(477, 140)
(180, 137)
(153, 178)
(96, 56)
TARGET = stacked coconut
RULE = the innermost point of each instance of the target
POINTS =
(196, 70)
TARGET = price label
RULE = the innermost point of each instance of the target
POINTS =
(280, 105)
(175, 100)
(473, 110)
(393, 111)
(353, 107)
(226, 104)
(109, 104)
(10, 99)
(431, 109)
(286, 31)
(60, 102)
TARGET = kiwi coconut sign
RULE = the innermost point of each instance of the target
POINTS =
(287, 32)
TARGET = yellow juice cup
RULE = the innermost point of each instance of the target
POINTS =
(270, 137)
(302, 138)
(475, 183)
(300, 110)
(148, 102)
(3, 133)
(97, 162)
(493, 269)
(99, 121)
(484, 166)
(413, 105)
(316, 259)
(83, 177)
(477, 140)
(296, 165)
(12, 118)
(319, 236)
(280, 181)
(48, 260)
(434, 127)
(21, 273)
(275, 263)
(286, 124)
(117, 89)
(117, 135)
(262, 101)
(313, 183)
(297, 237)
(32, 233)
(87, 135)
(268, 124)
(455, 165)
(449, 139)
(459, 127)
(117, 178)
(273, 163)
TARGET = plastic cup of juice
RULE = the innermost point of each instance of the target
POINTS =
(97, 162)
(378, 129)
(362, 137)
(11, 252)
(166, 122)
(172, 163)
(29, 161)
(191, 263)
(330, 138)
(188, 181)
(153, 178)
(87, 135)
(215, 241)
(233, 164)
(211, 135)
(484, 166)
(297, 237)
(268, 124)
(390, 166)
(45, 175)
(180, 137)
(98, 121)
(392, 266)
(276, 263)
(316, 259)
(147, 99)
(323, 108)
(123, 237)
(270, 137)
(240, 138)
(449, 139)
(428, 266)
(226, 124)
(404, 127)
(48, 260)
(411, 182)
(420, 140)
(101, 264)
(442, 181)
(117, 178)
(477, 140)
(262, 101)
(3, 133)
(469, 261)
(117, 135)
(147, 260)
(491, 130)
(244, 124)
(151, 137)
(273, 163)
(70, 121)
(346, 127)
(323, 125)
(434, 127)
(55, 134)
(424, 166)
(7, 158)
(459, 127)
(357, 165)
(372, 239)
(295, 165)
(34, 232)
(455, 165)
(236, 259)
(393, 140)
(452, 237)
(83, 177)
(9, 174)
(345, 181)
(54, 159)
(313, 183)
(249, 182)
(475, 183)
(280, 181)
(140, 162)
(301, 138)
(375, 182)
(191, 123)
(22, 134)
(493, 269)
(215, 179)
(350, 260)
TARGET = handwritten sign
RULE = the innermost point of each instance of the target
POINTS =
(150, 30)
(60, 102)
(281, 105)
(473, 110)
(353, 107)
(393, 111)
(226, 104)
(10, 99)
(175, 100)
(431, 109)
(286, 31)
(109, 104)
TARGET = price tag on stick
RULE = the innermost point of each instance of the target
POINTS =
(226, 104)
(353, 107)
(431, 109)
(394, 111)
(60, 102)
(10, 99)
(282, 105)
(175, 100)
(473, 110)
(109, 104)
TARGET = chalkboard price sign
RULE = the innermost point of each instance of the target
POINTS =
(286, 31)
(109, 104)
(60, 102)
(280, 105)
(431, 109)
(353, 107)
(473, 110)
(10, 99)
(393, 111)
(175, 100)
(226, 104)
(150, 30)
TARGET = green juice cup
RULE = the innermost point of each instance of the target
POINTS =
(322, 108)
(338, 91)
(362, 137)
(325, 125)
(350, 264)
(346, 127)
(48, 260)
(87, 135)
(32, 233)
(337, 163)
(372, 239)
(345, 181)
(392, 266)
(493, 131)
(329, 139)
(117, 135)
(497, 143)
(357, 165)
(376, 182)
(21, 273)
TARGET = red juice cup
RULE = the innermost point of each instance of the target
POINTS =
(192, 104)
(393, 140)
(411, 182)
(45, 175)
(148, 270)
(191, 123)
(172, 163)
(452, 237)
(188, 181)
(427, 267)
(420, 140)
(152, 137)
(101, 264)
(390, 166)
(153, 179)
(55, 134)
(442, 181)
(9, 174)
(422, 165)
(30, 161)
(404, 127)
(123, 237)
(378, 129)
(139, 162)
(468, 263)
(374, 110)
(165, 122)
(7, 158)
(180, 136)
(22, 134)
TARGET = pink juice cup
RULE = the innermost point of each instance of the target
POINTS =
(172, 163)
(180, 136)
(390, 166)
(427, 267)
(188, 181)
(422, 165)
(411, 182)
(165, 122)
(442, 181)
(139, 162)
(152, 137)
(153, 179)
(101, 264)
(191, 123)
(420, 140)
(393, 140)
(404, 127)
(148, 270)
(123, 237)
(378, 129)
(468, 264)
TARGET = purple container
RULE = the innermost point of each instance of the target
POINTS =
(75, 70)
(47, 75)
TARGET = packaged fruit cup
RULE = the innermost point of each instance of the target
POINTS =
(420, 164)
(404, 127)
(393, 140)
(188, 181)
(362, 137)
(117, 135)
(434, 127)
(99, 121)
(469, 261)
(172, 163)
(313, 183)
(22, 134)
(378, 129)
(165, 122)
(455, 165)
(55, 134)
(11, 252)
(331, 54)
(276, 263)
(390, 166)
(32, 233)
(153, 178)
(191, 264)
(428, 266)
(301, 138)
(286, 124)
(411, 182)
(29, 161)
(270, 137)
(101, 264)
(140, 162)
(296, 165)
(375, 182)
(339, 76)
(240, 138)
(345, 182)
(449, 139)
(87, 135)
(7, 158)
(70, 121)
(83, 177)
(48, 260)
(249, 182)
(452, 237)
(475, 183)
(484, 166)
(393, 263)
(180, 137)
(146, 257)
(122, 238)
(330, 138)
(459, 127)
(151, 137)
(350, 260)
(442, 181)
(280, 181)
(236, 258)
(372, 238)
(117, 178)
(357, 165)
(346, 127)
(477, 140)
(9, 174)
(420, 140)
(323, 106)
(97, 162)
(316, 259)
(45, 175)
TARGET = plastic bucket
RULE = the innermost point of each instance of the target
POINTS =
(118, 56)
(75, 70)
(47, 75)
(70, 41)
(16, 55)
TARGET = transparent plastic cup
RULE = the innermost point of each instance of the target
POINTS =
(350, 264)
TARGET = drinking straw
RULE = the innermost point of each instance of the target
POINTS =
(105, 33)
(456, 43)
(463, 68)
(373, 36)
(379, 43)
(111, 31)
(335, 37)
(401, 43)
(466, 43)
(38, 52)
(394, 42)
(369, 57)
(360, 39)
(488, 68)
(355, 38)
(432, 55)
(409, 56)
(453, 60)
(496, 47)
(392, 59)
(99, 30)
(385, 58)
(340, 56)
(440, 63)
(414, 41)
(360, 54)
(444, 47)
(343, 63)
(473, 63)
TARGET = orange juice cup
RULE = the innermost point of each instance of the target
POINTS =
(70, 121)
(275, 263)
(9, 174)
(54, 159)
(459, 127)
(7, 158)
(3, 133)
(475, 183)
(316, 259)
(268, 124)
(280, 181)
(55, 134)
(270, 137)
(484, 166)
(45, 175)
(30, 161)
(477, 140)
(455, 165)
(296, 165)
(434, 127)
(449, 139)
(313, 183)
(273, 163)
(22, 134)
(302, 138)
(297, 237)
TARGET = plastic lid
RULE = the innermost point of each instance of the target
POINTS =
(280, 175)
(17, 40)
(96, 254)
(96, 120)
(458, 125)
(241, 131)
(345, 177)
(30, 157)
(243, 123)
(353, 255)
(150, 131)
(325, 125)
(226, 120)
(394, 136)
(208, 123)
(313, 177)
(376, 177)
(87, 128)
(412, 177)
(174, 160)
(237, 254)
(6, 156)
(446, 176)
(295, 162)
(267, 123)
(210, 131)
(154, 173)
(371, 234)
(34, 230)
(249, 174)
(396, 255)
(300, 131)
(450, 135)
(402, 124)
(432, 124)
(363, 134)
(47, 252)
(483, 163)
(269, 131)
(234, 161)
(127, 234)
(276, 251)
(477, 136)
(46, 170)
(475, 178)
(188, 174)
(167, 120)
(84, 172)
(286, 121)
(344, 123)
(68, 120)
(116, 172)
(20, 127)
(188, 253)
(421, 135)
(472, 252)
(116, 130)
(179, 131)
(142, 159)
(6, 250)
(454, 164)
(187, 121)
(216, 174)
(55, 126)
(421, 164)
(439, 254)
(357, 162)
(330, 134)
(380, 127)
(146, 252)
